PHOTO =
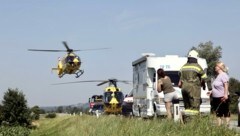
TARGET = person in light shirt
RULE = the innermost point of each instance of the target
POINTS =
(220, 94)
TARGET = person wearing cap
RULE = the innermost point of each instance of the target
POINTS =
(220, 94)
(192, 77)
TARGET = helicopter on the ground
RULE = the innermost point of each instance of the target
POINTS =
(112, 96)
(68, 64)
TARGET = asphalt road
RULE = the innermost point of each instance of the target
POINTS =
(234, 125)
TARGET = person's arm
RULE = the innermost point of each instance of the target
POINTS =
(225, 91)
(159, 89)
(180, 84)
(180, 79)
(203, 77)
(203, 84)
(225, 81)
(209, 93)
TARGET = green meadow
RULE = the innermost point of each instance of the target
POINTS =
(111, 125)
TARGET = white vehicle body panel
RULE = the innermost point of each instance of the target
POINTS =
(147, 102)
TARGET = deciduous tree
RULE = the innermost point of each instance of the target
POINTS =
(211, 54)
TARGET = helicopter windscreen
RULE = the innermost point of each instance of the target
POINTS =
(107, 96)
(69, 59)
(119, 96)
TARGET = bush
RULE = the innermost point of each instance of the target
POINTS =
(51, 115)
(14, 131)
(35, 113)
(14, 108)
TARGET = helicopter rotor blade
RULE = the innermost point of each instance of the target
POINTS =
(124, 81)
(104, 82)
(69, 50)
(111, 81)
(79, 82)
(47, 50)
(65, 44)
(92, 49)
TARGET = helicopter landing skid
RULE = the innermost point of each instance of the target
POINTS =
(79, 73)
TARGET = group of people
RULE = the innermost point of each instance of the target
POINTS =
(192, 78)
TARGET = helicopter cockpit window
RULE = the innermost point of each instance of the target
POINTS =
(69, 59)
(107, 96)
(119, 96)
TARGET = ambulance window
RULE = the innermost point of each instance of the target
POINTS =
(173, 76)
(152, 74)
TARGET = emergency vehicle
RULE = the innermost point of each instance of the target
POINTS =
(147, 102)
(127, 104)
(95, 100)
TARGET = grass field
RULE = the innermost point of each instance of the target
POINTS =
(121, 126)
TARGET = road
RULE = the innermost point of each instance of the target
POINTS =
(234, 125)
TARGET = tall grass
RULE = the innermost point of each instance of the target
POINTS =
(120, 126)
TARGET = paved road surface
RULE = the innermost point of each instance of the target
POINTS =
(234, 125)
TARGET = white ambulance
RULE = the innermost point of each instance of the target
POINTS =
(147, 102)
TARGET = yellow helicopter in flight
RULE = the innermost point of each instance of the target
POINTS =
(68, 64)
(112, 96)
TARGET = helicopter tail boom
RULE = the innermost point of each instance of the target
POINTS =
(55, 69)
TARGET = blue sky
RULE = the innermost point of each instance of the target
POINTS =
(129, 28)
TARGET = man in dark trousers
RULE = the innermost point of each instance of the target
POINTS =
(191, 78)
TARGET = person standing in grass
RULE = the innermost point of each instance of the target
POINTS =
(220, 94)
(192, 77)
(165, 84)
